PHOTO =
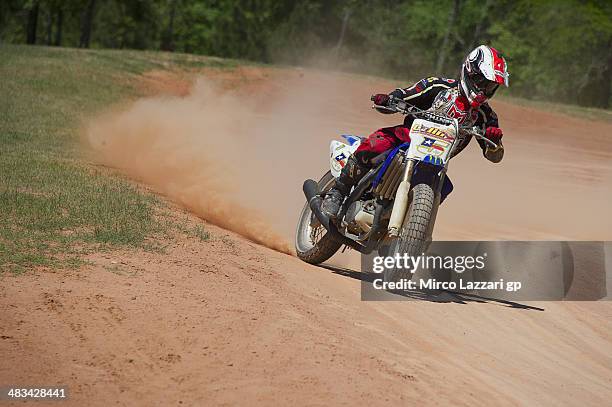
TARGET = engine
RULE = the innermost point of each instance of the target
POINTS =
(359, 217)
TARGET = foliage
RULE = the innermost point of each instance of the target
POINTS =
(558, 50)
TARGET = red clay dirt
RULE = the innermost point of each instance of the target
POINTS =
(228, 321)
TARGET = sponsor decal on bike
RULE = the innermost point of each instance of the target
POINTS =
(341, 158)
(338, 157)
(430, 159)
(432, 132)
(432, 146)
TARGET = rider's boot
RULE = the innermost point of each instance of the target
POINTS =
(350, 175)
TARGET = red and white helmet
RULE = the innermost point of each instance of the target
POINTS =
(482, 72)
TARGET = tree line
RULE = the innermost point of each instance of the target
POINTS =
(557, 50)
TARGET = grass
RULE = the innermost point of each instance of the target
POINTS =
(201, 233)
(54, 208)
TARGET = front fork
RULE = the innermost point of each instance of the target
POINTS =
(401, 202)
(400, 206)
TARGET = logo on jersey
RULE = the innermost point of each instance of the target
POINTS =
(454, 106)
(456, 113)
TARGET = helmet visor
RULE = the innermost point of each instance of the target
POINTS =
(484, 85)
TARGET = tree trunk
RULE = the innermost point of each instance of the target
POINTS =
(49, 26)
(595, 88)
(167, 42)
(86, 24)
(58, 27)
(606, 81)
(480, 25)
(345, 20)
(32, 23)
(452, 17)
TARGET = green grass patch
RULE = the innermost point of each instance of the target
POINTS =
(201, 233)
(53, 207)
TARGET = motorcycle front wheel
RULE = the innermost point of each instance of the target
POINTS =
(415, 235)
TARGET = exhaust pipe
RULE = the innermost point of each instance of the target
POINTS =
(311, 190)
(313, 196)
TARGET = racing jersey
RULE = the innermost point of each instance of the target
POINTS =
(443, 96)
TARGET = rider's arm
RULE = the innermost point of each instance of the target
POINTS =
(422, 93)
(487, 116)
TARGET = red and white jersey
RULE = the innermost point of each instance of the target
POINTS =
(443, 95)
(451, 104)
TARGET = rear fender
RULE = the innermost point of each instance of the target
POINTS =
(339, 153)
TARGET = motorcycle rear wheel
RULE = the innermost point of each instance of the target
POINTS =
(314, 245)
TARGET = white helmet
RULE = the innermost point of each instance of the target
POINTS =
(482, 72)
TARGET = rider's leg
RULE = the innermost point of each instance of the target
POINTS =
(350, 175)
(358, 165)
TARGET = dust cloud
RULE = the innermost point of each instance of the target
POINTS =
(238, 157)
(236, 160)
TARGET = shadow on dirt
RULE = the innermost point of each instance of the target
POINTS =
(440, 296)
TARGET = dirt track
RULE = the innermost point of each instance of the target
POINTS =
(231, 322)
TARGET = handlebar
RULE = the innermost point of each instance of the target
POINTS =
(486, 140)
(397, 105)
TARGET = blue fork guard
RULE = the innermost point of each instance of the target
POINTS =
(417, 176)
(387, 162)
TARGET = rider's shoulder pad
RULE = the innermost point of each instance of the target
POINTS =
(448, 81)
(434, 80)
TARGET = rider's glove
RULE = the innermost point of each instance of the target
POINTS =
(380, 99)
(494, 134)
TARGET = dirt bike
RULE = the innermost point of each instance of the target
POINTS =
(393, 208)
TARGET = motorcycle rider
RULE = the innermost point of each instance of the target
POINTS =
(482, 72)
